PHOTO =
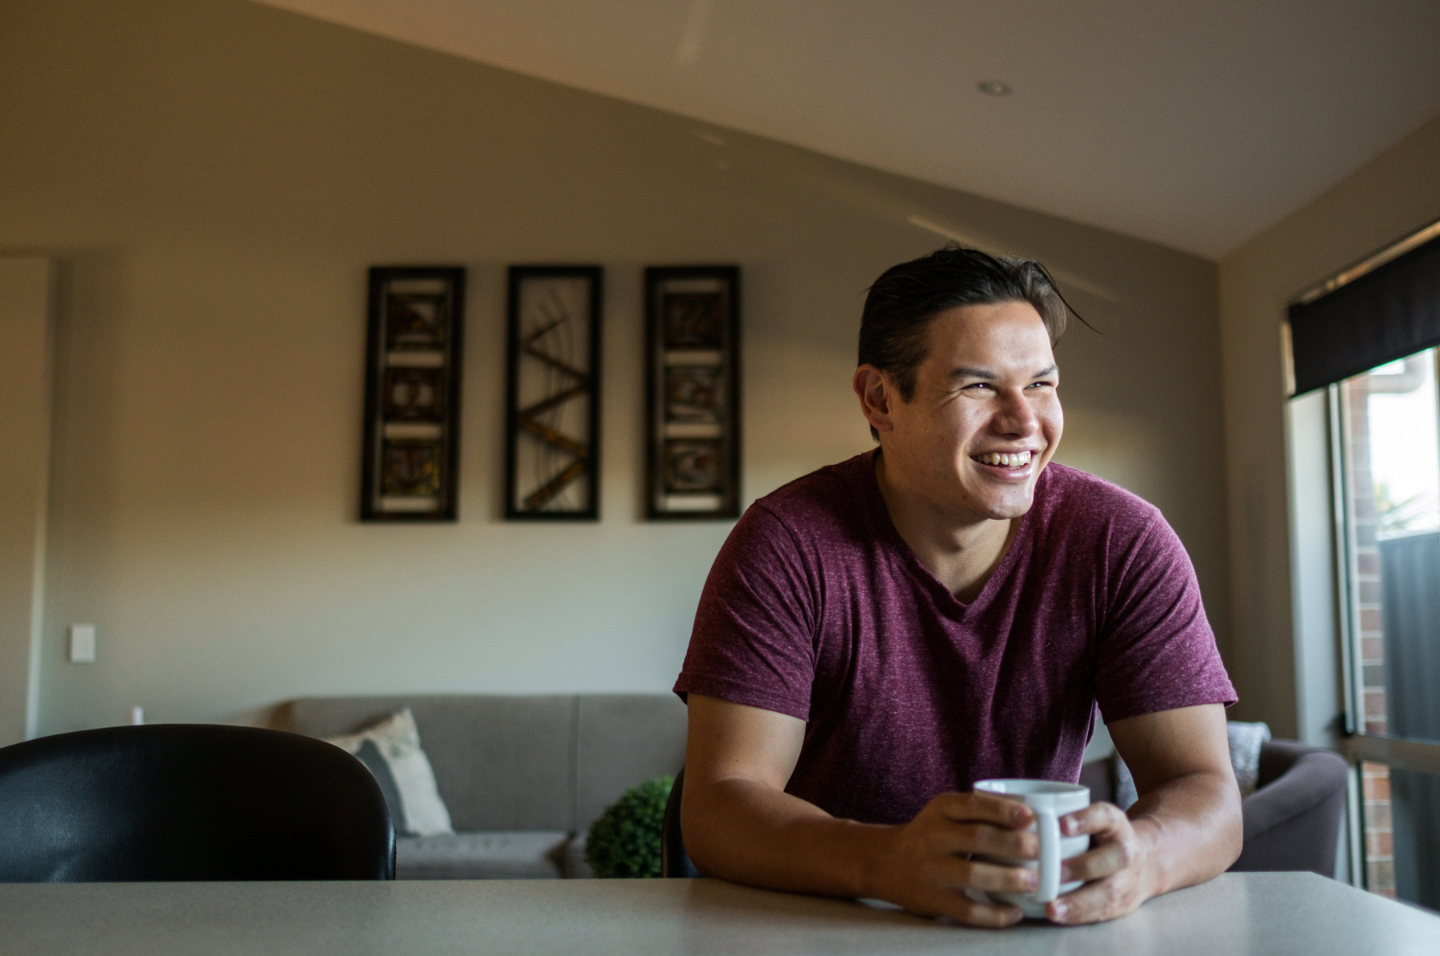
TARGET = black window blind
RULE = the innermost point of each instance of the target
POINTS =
(1383, 315)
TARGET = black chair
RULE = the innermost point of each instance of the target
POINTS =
(189, 802)
(674, 861)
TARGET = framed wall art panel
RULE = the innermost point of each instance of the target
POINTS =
(552, 406)
(412, 394)
(692, 387)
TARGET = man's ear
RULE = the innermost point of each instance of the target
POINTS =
(876, 393)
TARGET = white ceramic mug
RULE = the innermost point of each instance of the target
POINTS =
(1050, 801)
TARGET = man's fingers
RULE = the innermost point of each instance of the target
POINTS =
(1100, 862)
(957, 906)
(994, 841)
(953, 873)
(985, 914)
(982, 808)
(997, 878)
(1102, 900)
(957, 838)
(1114, 847)
(1098, 818)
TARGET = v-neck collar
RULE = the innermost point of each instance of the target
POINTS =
(890, 537)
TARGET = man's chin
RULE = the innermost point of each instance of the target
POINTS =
(1014, 507)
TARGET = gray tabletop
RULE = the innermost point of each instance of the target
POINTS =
(1237, 913)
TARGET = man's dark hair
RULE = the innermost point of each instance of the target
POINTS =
(906, 297)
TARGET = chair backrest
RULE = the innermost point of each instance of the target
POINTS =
(189, 802)
(674, 861)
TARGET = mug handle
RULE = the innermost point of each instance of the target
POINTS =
(1047, 827)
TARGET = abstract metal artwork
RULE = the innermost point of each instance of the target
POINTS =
(553, 395)
(692, 320)
(412, 394)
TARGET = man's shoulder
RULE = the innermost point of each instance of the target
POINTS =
(1079, 500)
(823, 501)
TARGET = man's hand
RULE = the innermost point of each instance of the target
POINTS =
(1184, 829)
(927, 868)
(740, 824)
(1113, 869)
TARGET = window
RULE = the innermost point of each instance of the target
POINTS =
(1364, 349)
(1389, 462)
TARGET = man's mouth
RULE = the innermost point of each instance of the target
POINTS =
(1010, 459)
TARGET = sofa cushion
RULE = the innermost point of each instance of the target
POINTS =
(501, 762)
(506, 855)
(392, 752)
(623, 740)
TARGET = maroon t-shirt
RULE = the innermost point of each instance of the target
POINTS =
(817, 608)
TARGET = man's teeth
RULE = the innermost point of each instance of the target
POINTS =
(1010, 460)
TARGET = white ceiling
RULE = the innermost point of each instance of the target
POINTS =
(1194, 123)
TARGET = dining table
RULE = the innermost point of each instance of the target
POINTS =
(1237, 913)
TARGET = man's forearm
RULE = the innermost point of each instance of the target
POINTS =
(746, 831)
(1190, 828)
(740, 824)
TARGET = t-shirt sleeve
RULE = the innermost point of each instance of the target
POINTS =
(1156, 650)
(752, 642)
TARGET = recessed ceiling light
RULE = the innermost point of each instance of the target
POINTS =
(993, 88)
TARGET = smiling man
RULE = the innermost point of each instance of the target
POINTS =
(880, 634)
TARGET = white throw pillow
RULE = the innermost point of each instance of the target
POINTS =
(392, 751)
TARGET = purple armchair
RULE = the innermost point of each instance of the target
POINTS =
(1292, 820)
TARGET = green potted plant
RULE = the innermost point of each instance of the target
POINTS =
(625, 842)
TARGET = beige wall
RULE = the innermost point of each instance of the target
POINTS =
(26, 286)
(1388, 198)
(216, 176)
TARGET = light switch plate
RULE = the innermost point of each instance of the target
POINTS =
(82, 643)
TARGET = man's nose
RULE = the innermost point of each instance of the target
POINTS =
(1015, 416)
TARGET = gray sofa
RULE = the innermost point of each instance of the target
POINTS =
(523, 777)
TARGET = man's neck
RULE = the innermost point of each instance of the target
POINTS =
(960, 550)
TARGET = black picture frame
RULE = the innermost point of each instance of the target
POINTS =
(692, 392)
(552, 395)
(413, 356)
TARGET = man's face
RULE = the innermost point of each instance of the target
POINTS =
(985, 417)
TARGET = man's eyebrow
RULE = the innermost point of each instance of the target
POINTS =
(986, 374)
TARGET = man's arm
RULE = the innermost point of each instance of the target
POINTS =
(1184, 829)
(741, 825)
